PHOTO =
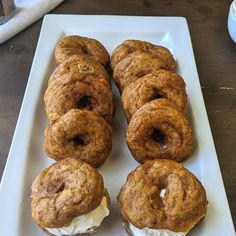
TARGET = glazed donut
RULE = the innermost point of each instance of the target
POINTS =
(159, 130)
(74, 44)
(81, 65)
(129, 46)
(79, 91)
(79, 134)
(162, 84)
(66, 192)
(161, 197)
(134, 66)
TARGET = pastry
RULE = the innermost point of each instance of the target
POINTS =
(134, 66)
(163, 198)
(159, 130)
(75, 44)
(80, 91)
(162, 84)
(69, 198)
(80, 65)
(79, 134)
(129, 46)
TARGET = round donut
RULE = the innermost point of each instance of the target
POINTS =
(65, 190)
(134, 66)
(79, 134)
(75, 44)
(129, 46)
(162, 84)
(143, 204)
(79, 91)
(159, 130)
(81, 65)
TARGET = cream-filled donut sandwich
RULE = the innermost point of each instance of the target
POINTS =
(161, 198)
(69, 198)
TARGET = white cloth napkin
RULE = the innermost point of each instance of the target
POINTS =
(29, 11)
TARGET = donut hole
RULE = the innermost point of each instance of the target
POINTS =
(85, 103)
(158, 136)
(156, 95)
(141, 73)
(84, 49)
(60, 188)
(78, 140)
(184, 196)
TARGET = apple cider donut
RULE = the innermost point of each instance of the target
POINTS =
(159, 130)
(162, 84)
(79, 134)
(69, 198)
(79, 91)
(134, 66)
(161, 197)
(75, 44)
(129, 46)
(81, 65)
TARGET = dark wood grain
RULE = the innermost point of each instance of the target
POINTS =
(6, 7)
(215, 56)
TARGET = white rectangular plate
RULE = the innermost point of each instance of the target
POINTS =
(26, 158)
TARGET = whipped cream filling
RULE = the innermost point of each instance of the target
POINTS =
(84, 223)
(162, 193)
(154, 232)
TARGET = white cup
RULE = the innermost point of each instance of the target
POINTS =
(232, 21)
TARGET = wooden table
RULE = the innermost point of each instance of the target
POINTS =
(215, 56)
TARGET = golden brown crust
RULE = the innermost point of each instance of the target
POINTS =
(79, 134)
(182, 206)
(129, 46)
(134, 66)
(79, 91)
(64, 190)
(80, 65)
(78, 45)
(162, 84)
(158, 130)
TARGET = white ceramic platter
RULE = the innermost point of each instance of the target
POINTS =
(26, 157)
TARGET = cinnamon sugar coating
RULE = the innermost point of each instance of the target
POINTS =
(159, 130)
(65, 190)
(162, 84)
(130, 46)
(79, 134)
(79, 91)
(80, 65)
(134, 66)
(75, 44)
(183, 205)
